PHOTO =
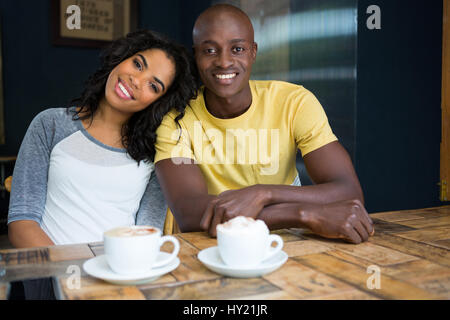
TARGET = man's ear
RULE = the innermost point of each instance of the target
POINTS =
(254, 50)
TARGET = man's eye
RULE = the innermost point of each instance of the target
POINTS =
(238, 49)
(210, 51)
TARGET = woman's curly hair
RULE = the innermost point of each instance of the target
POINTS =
(139, 133)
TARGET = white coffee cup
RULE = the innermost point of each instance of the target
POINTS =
(134, 250)
(244, 242)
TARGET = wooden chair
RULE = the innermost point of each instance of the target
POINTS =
(170, 224)
(7, 183)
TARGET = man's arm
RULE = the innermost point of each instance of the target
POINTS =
(185, 190)
(187, 195)
(331, 170)
(27, 234)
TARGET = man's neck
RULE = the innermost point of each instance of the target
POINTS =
(229, 107)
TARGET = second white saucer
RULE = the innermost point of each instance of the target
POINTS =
(210, 257)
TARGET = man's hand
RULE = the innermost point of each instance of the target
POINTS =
(346, 220)
(247, 202)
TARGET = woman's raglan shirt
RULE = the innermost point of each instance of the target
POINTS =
(76, 187)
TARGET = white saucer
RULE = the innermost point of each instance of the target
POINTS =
(98, 267)
(210, 257)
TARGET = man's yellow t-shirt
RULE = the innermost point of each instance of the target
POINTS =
(257, 147)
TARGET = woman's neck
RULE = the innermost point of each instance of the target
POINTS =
(106, 125)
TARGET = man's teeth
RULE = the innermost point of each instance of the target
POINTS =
(226, 76)
(125, 92)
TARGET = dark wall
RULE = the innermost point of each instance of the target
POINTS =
(398, 104)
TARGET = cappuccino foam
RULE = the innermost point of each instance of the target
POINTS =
(242, 225)
(130, 232)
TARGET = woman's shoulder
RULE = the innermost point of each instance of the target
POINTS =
(52, 117)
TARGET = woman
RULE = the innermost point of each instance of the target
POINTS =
(88, 168)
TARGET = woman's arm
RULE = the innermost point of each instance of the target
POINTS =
(27, 234)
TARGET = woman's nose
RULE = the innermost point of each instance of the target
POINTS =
(135, 82)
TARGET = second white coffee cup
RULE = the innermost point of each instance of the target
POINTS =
(134, 250)
(246, 246)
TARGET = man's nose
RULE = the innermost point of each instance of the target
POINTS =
(224, 60)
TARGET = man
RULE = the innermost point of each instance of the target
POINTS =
(233, 152)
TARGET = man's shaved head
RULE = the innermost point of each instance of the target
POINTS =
(225, 49)
(223, 15)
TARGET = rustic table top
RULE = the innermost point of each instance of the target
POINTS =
(410, 249)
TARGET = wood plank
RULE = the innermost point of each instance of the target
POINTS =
(428, 222)
(394, 216)
(191, 269)
(46, 254)
(442, 243)
(217, 289)
(434, 213)
(404, 215)
(287, 235)
(428, 252)
(26, 256)
(97, 249)
(199, 240)
(94, 289)
(424, 274)
(186, 249)
(71, 252)
(354, 294)
(298, 248)
(17, 272)
(355, 275)
(421, 273)
(304, 282)
(372, 253)
(429, 235)
(382, 226)
(277, 295)
(301, 233)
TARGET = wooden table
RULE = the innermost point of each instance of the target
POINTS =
(409, 248)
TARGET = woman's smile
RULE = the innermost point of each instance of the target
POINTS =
(123, 90)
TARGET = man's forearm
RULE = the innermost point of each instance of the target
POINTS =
(283, 215)
(315, 194)
(189, 211)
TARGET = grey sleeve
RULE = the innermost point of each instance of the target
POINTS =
(29, 184)
(153, 206)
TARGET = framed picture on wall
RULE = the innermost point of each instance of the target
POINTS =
(91, 23)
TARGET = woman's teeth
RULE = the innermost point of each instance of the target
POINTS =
(226, 76)
(125, 92)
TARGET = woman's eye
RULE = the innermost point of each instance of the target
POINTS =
(137, 64)
(154, 87)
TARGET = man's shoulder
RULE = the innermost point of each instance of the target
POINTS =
(278, 87)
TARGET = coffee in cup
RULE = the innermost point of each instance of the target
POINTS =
(245, 242)
(134, 250)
